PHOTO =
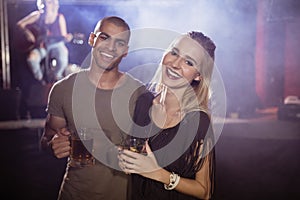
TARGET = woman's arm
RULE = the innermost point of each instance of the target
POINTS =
(199, 187)
(147, 166)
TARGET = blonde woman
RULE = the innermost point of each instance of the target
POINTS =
(174, 119)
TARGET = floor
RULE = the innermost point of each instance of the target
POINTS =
(27, 171)
(259, 161)
(256, 159)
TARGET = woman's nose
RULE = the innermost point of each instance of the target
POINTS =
(176, 62)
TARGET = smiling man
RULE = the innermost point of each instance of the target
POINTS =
(111, 45)
(88, 99)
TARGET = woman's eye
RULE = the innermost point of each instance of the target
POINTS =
(174, 53)
(190, 63)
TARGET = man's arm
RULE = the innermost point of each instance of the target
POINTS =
(56, 136)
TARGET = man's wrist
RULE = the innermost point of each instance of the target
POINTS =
(45, 143)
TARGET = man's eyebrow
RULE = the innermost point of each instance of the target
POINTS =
(121, 40)
(103, 33)
(109, 36)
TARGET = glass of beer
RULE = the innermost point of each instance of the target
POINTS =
(82, 148)
(135, 144)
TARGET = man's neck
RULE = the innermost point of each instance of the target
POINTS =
(105, 79)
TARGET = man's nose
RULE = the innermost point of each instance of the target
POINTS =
(111, 45)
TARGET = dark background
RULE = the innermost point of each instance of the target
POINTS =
(256, 41)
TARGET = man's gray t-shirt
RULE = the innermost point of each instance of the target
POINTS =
(109, 114)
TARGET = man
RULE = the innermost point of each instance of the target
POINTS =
(100, 98)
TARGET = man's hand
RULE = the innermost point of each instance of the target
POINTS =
(60, 143)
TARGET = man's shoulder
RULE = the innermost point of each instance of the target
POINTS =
(131, 79)
(134, 82)
(68, 81)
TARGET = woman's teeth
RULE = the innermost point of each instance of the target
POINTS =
(172, 74)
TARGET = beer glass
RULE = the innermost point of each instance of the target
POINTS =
(82, 148)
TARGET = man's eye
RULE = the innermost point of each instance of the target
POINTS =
(103, 37)
(121, 44)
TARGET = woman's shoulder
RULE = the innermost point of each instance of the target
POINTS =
(199, 114)
(143, 104)
(199, 120)
(146, 98)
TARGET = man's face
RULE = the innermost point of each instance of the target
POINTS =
(110, 45)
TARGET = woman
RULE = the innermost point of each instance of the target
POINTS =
(178, 162)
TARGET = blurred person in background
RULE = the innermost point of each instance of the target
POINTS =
(43, 33)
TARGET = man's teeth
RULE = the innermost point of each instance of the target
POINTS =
(107, 55)
(173, 74)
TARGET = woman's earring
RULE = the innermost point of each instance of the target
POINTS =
(198, 77)
(196, 81)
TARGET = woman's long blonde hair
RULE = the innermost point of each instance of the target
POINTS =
(202, 89)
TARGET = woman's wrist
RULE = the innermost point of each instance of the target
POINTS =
(173, 182)
(162, 176)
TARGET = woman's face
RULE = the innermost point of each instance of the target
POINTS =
(180, 65)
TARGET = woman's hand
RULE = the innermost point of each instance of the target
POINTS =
(132, 162)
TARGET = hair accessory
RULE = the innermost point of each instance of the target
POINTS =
(174, 180)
